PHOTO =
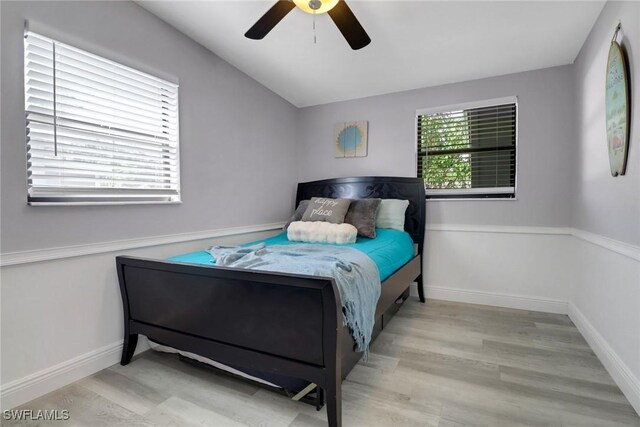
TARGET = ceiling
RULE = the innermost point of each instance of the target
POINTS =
(414, 44)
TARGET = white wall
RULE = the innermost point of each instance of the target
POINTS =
(517, 267)
(607, 284)
(606, 300)
(571, 242)
(538, 252)
(62, 318)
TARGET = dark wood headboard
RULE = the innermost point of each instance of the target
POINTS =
(368, 187)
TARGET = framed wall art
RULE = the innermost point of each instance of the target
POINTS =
(350, 139)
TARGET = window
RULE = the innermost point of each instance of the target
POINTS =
(97, 132)
(468, 151)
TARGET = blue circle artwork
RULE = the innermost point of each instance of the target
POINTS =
(349, 139)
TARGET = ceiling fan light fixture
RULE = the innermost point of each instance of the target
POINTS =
(339, 12)
(316, 6)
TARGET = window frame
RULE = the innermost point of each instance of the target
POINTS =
(87, 196)
(466, 194)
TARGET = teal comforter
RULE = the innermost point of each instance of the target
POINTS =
(390, 250)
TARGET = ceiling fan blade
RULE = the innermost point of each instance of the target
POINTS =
(270, 19)
(349, 26)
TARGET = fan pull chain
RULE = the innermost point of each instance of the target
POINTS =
(315, 41)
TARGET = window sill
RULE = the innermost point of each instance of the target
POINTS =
(111, 203)
(474, 199)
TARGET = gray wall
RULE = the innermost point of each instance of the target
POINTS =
(546, 137)
(236, 136)
(606, 289)
(603, 204)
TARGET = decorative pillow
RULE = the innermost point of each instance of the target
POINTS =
(327, 210)
(321, 232)
(297, 215)
(391, 214)
(362, 214)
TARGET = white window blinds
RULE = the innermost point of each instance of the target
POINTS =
(97, 131)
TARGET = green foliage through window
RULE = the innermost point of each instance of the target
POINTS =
(439, 132)
(468, 149)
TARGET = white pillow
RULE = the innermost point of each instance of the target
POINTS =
(321, 232)
(391, 214)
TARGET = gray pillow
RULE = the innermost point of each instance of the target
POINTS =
(362, 215)
(326, 210)
(297, 215)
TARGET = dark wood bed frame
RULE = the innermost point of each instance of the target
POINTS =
(277, 323)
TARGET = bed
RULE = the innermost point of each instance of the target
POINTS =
(274, 325)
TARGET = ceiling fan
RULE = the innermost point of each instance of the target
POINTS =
(338, 10)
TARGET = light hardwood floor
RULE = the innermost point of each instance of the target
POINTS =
(436, 364)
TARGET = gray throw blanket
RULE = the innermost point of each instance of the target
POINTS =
(355, 274)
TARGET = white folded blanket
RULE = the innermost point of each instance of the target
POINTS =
(321, 232)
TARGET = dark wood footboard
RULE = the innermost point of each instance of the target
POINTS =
(272, 322)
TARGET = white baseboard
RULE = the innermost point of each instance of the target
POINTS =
(619, 371)
(523, 302)
(40, 383)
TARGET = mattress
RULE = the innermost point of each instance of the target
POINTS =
(390, 250)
